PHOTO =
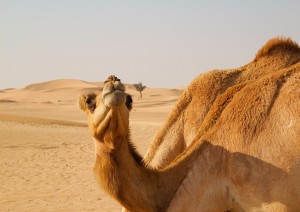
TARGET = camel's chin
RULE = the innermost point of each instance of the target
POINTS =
(114, 99)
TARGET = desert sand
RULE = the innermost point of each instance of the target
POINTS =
(47, 153)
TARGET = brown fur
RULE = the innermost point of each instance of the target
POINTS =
(241, 129)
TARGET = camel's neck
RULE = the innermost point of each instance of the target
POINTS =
(131, 183)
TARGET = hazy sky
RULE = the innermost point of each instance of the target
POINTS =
(163, 43)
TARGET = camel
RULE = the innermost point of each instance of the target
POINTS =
(244, 155)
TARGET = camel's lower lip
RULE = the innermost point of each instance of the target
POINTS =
(114, 91)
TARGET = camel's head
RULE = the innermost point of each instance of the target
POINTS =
(107, 111)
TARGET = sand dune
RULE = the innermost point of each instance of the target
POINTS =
(59, 84)
(47, 153)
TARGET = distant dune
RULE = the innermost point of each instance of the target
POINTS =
(59, 84)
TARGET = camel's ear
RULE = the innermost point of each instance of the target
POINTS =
(128, 102)
(87, 101)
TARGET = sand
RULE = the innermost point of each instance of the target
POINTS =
(47, 153)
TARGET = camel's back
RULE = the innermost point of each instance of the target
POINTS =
(193, 106)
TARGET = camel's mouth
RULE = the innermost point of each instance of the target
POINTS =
(113, 94)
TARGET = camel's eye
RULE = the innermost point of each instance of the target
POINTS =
(89, 100)
(90, 104)
(128, 102)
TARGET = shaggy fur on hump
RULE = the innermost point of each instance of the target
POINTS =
(192, 107)
(276, 43)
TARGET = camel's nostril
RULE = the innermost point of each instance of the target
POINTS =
(112, 78)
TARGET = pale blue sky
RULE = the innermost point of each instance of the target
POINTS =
(163, 43)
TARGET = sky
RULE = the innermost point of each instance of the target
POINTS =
(161, 43)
